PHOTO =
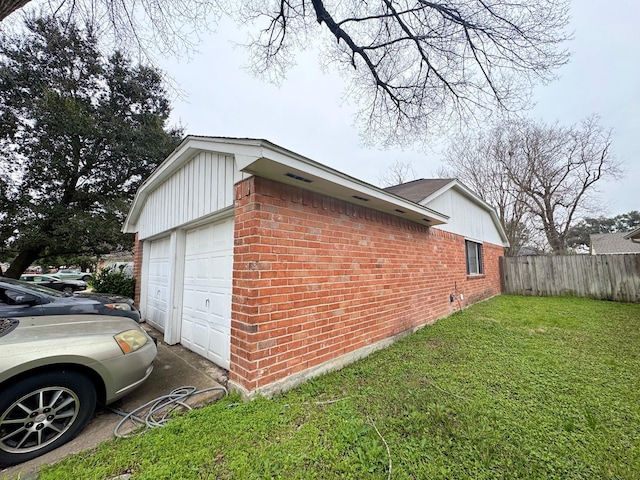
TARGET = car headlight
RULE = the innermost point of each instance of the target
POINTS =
(131, 340)
(119, 306)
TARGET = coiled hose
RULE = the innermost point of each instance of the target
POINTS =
(162, 406)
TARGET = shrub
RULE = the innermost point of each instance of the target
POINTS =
(110, 280)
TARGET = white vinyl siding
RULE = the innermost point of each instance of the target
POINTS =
(202, 186)
(465, 217)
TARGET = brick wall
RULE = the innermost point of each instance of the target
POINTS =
(137, 268)
(316, 278)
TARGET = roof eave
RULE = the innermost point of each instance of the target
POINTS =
(284, 166)
(265, 159)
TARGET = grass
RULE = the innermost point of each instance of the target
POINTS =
(515, 387)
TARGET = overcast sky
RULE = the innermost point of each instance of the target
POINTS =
(308, 114)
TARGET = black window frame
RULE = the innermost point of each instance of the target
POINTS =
(476, 248)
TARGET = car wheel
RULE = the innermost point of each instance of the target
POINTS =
(86, 278)
(42, 412)
(68, 290)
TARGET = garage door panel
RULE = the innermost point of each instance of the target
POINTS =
(218, 342)
(207, 291)
(157, 295)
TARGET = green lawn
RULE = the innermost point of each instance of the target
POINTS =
(514, 387)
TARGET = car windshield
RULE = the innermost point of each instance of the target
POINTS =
(33, 286)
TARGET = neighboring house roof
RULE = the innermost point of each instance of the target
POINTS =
(633, 235)
(607, 243)
(265, 159)
(426, 190)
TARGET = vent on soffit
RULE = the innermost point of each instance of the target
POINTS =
(298, 177)
(360, 198)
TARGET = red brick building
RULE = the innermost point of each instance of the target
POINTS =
(279, 268)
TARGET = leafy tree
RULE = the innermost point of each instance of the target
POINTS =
(545, 173)
(81, 131)
(112, 280)
(414, 65)
(578, 235)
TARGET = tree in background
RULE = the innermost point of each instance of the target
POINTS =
(399, 172)
(81, 131)
(477, 161)
(578, 235)
(414, 66)
(543, 175)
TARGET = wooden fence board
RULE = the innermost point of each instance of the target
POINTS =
(605, 277)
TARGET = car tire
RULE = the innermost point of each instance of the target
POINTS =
(42, 412)
(86, 278)
(67, 290)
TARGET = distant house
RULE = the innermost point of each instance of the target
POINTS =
(279, 268)
(615, 243)
(634, 235)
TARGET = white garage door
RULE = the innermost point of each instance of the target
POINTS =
(159, 269)
(206, 304)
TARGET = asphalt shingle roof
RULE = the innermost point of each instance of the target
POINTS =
(603, 243)
(418, 190)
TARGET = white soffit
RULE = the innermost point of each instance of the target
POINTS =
(278, 164)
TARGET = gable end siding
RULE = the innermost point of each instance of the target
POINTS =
(466, 218)
(202, 186)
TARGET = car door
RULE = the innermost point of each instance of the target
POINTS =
(47, 282)
(14, 303)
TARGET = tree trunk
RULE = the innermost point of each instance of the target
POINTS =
(7, 7)
(22, 262)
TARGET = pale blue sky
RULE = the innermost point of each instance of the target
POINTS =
(307, 113)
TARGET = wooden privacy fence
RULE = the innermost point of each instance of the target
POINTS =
(605, 277)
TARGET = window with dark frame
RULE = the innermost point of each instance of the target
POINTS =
(474, 257)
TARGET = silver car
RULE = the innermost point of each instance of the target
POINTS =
(53, 371)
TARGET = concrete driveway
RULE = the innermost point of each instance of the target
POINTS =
(175, 367)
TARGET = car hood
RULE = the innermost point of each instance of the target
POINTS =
(104, 297)
(55, 327)
(33, 342)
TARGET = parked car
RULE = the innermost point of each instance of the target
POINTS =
(63, 285)
(68, 274)
(22, 299)
(53, 371)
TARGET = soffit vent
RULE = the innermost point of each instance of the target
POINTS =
(298, 177)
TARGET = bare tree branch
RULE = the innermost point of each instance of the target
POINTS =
(143, 27)
(415, 67)
(399, 172)
(418, 65)
(537, 176)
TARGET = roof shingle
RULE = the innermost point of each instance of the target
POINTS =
(418, 190)
(606, 243)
